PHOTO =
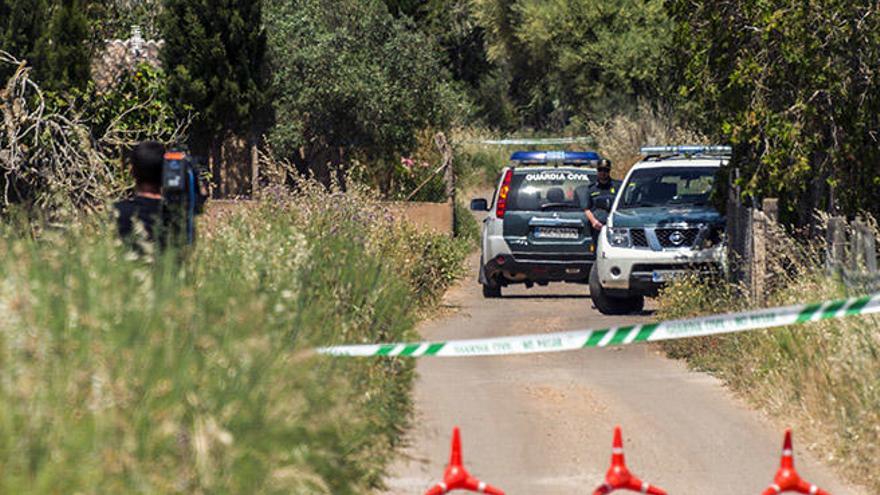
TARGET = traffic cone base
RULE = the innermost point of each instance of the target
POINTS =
(787, 478)
(456, 476)
(619, 477)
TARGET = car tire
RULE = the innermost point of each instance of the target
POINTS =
(610, 305)
(491, 291)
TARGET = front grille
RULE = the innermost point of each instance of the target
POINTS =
(639, 239)
(561, 257)
(676, 238)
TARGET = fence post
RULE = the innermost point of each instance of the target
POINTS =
(864, 247)
(870, 251)
(771, 209)
(449, 173)
(836, 243)
(758, 260)
(255, 169)
(731, 233)
(737, 233)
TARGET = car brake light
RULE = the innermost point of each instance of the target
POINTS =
(502, 194)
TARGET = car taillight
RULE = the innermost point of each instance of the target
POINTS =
(502, 194)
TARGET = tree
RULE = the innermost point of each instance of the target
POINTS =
(114, 18)
(351, 81)
(577, 58)
(793, 86)
(214, 55)
(62, 58)
(22, 23)
(52, 37)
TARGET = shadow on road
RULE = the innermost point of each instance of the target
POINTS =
(546, 296)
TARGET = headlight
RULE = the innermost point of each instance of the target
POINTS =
(619, 237)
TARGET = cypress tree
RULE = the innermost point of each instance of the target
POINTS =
(63, 58)
(22, 23)
(214, 55)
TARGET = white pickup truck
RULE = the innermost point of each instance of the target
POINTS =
(662, 224)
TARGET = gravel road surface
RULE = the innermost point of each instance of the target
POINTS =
(542, 424)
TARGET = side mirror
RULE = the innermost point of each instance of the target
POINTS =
(479, 204)
(603, 203)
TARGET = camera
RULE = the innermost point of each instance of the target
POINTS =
(184, 190)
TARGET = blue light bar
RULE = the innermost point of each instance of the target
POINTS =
(715, 150)
(550, 157)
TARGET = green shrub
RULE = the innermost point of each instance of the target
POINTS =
(466, 227)
(126, 375)
(822, 376)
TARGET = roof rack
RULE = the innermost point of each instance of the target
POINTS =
(663, 152)
(556, 158)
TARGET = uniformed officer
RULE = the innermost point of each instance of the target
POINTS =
(604, 186)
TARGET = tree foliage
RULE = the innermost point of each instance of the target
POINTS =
(114, 18)
(794, 86)
(214, 55)
(574, 59)
(22, 23)
(60, 152)
(51, 36)
(63, 56)
(350, 80)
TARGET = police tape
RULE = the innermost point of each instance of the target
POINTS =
(651, 332)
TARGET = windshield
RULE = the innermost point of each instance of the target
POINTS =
(536, 190)
(668, 186)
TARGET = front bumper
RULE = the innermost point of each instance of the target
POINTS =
(631, 271)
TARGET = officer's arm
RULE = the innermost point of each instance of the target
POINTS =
(593, 220)
(589, 211)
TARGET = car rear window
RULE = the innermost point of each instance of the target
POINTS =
(535, 190)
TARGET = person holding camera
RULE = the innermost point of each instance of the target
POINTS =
(138, 219)
(168, 193)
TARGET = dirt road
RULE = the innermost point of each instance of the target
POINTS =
(542, 424)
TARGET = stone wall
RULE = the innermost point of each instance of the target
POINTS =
(120, 56)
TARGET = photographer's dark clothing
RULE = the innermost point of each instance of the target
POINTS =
(599, 190)
(147, 211)
(162, 225)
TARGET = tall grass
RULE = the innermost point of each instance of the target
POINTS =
(822, 377)
(121, 374)
(620, 136)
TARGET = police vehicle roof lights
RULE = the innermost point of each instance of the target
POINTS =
(688, 150)
(555, 157)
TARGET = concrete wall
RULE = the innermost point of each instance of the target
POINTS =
(430, 217)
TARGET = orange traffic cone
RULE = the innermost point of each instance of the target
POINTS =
(787, 478)
(456, 476)
(619, 477)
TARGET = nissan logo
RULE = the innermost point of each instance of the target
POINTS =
(676, 238)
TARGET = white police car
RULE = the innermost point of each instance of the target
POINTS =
(662, 224)
(536, 231)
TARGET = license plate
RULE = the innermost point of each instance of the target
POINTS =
(555, 233)
(665, 276)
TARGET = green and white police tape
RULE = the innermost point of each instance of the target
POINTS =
(580, 339)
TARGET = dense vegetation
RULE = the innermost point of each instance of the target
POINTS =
(821, 377)
(361, 88)
(341, 83)
(793, 87)
(130, 375)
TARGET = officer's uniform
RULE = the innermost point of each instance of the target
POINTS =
(596, 191)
